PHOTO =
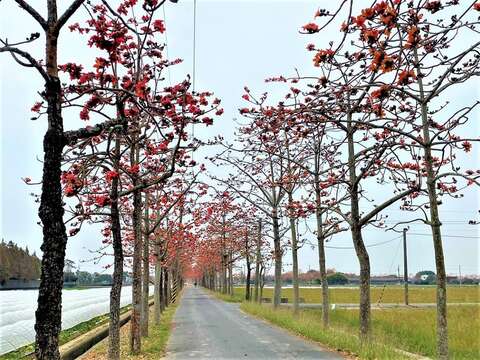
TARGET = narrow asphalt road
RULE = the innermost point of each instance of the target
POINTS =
(208, 328)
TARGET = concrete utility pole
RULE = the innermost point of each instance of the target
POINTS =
(460, 274)
(405, 265)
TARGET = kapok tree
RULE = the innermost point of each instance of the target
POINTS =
(256, 177)
(150, 119)
(425, 50)
(343, 96)
(48, 313)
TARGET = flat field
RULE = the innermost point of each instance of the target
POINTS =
(409, 329)
(389, 294)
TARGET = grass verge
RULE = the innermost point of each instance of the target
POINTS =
(153, 346)
(237, 297)
(412, 330)
(310, 328)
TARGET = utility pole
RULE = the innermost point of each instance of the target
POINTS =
(405, 265)
(460, 274)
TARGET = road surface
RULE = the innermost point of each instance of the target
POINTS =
(208, 328)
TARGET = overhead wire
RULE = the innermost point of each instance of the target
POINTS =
(371, 245)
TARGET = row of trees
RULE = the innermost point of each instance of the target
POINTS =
(129, 169)
(17, 263)
(372, 129)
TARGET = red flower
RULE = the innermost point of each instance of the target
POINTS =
(467, 146)
(405, 77)
(244, 111)
(433, 6)
(368, 13)
(207, 121)
(476, 6)
(102, 200)
(37, 106)
(74, 70)
(381, 93)
(412, 38)
(370, 36)
(359, 21)
(69, 191)
(245, 97)
(158, 25)
(219, 112)
(164, 145)
(311, 28)
(387, 64)
(134, 169)
(73, 231)
(110, 175)
(322, 56)
(84, 114)
(141, 88)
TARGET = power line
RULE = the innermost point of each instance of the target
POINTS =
(371, 245)
(448, 236)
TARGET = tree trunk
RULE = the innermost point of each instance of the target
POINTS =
(364, 261)
(230, 274)
(321, 254)
(435, 224)
(278, 259)
(146, 272)
(48, 314)
(257, 260)
(157, 287)
(164, 288)
(167, 287)
(115, 292)
(296, 292)
(224, 273)
(135, 335)
(356, 231)
(262, 281)
(249, 272)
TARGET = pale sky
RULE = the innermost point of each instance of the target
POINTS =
(238, 43)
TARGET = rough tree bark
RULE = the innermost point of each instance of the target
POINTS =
(278, 259)
(257, 260)
(435, 224)
(296, 292)
(321, 252)
(157, 287)
(115, 292)
(230, 273)
(249, 269)
(357, 239)
(135, 335)
(146, 272)
(48, 314)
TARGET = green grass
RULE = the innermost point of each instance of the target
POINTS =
(153, 346)
(412, 329)
(391, 294)
(237, 297)
(65, 335)
(309, 327)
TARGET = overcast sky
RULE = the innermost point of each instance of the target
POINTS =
(238, 43)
